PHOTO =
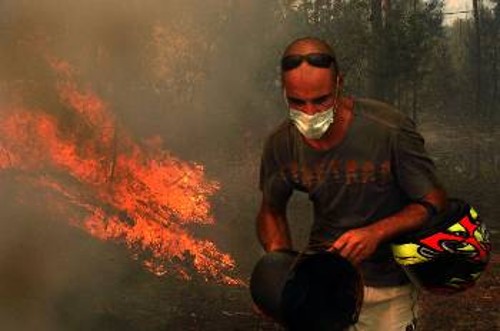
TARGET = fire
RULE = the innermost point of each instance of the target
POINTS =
(112, 187)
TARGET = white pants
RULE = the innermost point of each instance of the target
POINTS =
(388, 309)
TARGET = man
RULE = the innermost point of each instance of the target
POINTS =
(367, 174)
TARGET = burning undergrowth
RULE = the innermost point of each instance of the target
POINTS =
(95, 175)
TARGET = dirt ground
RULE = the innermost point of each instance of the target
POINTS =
(53, 277)
(475, 309)
(60, 279)
(144, 302)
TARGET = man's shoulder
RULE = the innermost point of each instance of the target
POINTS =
(280, 134)
(379, 112)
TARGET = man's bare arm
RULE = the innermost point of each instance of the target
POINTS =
(358, 244)
(272, 227)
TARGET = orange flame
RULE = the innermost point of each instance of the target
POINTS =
(133, 193)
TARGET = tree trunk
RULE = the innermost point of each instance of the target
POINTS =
(414, 99)
(386, 9)
(477, 57)
(494, 75)
(377, 59)
(114, 154)
(414, 82)
(398, 82)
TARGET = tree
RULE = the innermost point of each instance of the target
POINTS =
(477, 56)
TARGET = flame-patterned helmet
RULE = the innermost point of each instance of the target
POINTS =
(450, 253)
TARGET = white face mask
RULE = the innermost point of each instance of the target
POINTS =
(312, 126)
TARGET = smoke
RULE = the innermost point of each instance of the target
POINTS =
(202, 75)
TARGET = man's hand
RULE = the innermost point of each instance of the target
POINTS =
(356, 245)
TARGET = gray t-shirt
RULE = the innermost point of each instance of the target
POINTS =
(380, 166)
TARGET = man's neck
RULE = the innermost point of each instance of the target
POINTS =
(338, 130)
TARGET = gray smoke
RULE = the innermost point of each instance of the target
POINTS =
(202, 75)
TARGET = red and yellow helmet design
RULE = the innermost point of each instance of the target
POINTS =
(448, 255)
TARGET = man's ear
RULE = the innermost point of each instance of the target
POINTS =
(339, 84)
(339, 80)
(285, 97)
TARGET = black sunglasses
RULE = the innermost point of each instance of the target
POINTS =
(319, 60)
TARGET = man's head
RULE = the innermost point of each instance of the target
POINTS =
(310, 45)
(310, 75)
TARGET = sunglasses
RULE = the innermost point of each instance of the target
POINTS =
(319, 60)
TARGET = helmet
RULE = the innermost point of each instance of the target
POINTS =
(449, 254)
(310, 291)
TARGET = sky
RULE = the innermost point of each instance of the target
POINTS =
(459, 5)
(456, 5)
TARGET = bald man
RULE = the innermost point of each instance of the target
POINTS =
(366, 171)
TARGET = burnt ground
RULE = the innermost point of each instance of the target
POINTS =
(128, 298)
(474, 309)
(55, 277)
